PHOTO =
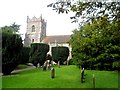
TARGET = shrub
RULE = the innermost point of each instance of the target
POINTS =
(71, 62)
(116, 65)
(25, 55)
(60, 54)
(11, 52)
(38, 53)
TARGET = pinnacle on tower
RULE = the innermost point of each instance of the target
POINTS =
(41, 16)
(27, 18)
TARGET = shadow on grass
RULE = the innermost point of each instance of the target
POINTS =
(12, 74)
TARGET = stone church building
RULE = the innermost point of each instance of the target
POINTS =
(36, 30)
(36, 33)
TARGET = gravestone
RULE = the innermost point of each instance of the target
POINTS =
(93, 81)
(52, 73)
(58, 64)
(82, 75)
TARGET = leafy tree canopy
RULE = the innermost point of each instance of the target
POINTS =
(60, 53)
(96, 45)
(38, 53)
(11, 48)
(14, 28)
(87, 10)
(11, 52)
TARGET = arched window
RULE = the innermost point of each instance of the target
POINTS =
(33, 28)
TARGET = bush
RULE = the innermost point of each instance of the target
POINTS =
(38, 53)
(60, 54)
(71, 62)
(11, 52)
(25, 55)
(116, 65)
(96, 48)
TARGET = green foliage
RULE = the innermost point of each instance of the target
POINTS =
(87, 10)
(38, 53)
(60, 54)
(116, 65)
(25, 55)
(97, 44)
(11, 52)
(11, 29)
(15, 27)
(71, 62)
(7, 29)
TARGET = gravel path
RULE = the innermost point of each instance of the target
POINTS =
(15, 71)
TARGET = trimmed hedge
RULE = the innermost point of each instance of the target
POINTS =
(25, 55)
(11, 52)
(60, 54)
(38, 53)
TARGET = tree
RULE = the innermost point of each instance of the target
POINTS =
(15, 27)
(11, 52)
(11, 29)
(87, 10)
(25, 55)
(7, 29)
(11, 49)
(60, 54)
(97, 42)
(38, 53)
(94, 45)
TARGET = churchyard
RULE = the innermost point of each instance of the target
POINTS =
(65, 77)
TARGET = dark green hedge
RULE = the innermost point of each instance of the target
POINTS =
(60, 54)
(38, 53)
(11, 52)
(25, 55)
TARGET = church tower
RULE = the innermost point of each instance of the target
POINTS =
(36, 30)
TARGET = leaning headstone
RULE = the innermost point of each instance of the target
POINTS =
(82, 76)
(58, 64)
(93, 81)
(52, 73)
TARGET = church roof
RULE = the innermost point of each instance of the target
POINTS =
(57, 38)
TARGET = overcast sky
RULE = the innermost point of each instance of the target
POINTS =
(18, 10)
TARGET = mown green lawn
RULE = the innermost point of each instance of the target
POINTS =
(65, 77)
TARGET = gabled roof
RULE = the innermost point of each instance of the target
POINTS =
(56, 39)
